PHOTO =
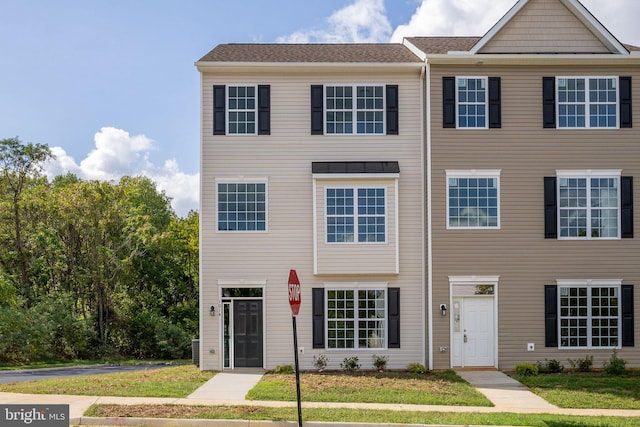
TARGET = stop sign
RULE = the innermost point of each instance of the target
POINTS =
(294, 292)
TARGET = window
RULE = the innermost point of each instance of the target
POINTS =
(356, 318)
(356, 215)
(473, 199)
(242, 109)
(242, 207)
(355, 109)
(472, 102)
(587, 102)
(589, 207)
(589, 316)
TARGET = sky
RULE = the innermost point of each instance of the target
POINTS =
(111, 87)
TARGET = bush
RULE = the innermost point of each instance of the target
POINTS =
(550, 367)
(527, 369)
(320, 362)
(582, 365)
(350, 364)
(380, 362)
(416, 368)
(284, 369)
(616, 366)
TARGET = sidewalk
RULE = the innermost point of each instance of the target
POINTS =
(230, 388)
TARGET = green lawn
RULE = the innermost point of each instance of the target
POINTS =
(587, 390)
(179, 381)
(356, 415)
(437, 388)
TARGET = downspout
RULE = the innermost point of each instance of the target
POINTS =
(201, 336)
(426, 321)
(427, 96)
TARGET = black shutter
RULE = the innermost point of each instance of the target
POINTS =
(626, 214)
(448, 102)
(393, 310)
(550, 208)
(626, 299)
(495, 107)
(264, 110)
(317, 302)
(625, 102)
(392, 109)
(551, 315)
(317, 109)
(549, 102)
(219, 103)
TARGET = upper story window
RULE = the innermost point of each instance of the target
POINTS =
(471, 102)
(592, 102)
(473, 199)
(354, 109)
(242, 206)
(356, 215)
(241, 110)
(587, 102)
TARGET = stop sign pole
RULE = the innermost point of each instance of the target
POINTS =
(294, 302)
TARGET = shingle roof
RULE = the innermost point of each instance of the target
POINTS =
(437, 45)
(329, 53)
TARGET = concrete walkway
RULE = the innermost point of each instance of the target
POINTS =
(230, 389)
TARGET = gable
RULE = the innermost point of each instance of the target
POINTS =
(548, 26)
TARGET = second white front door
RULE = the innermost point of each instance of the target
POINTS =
(474, 338)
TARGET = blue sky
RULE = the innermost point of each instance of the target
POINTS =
(111, 85)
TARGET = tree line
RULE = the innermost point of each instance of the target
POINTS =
(91, 269)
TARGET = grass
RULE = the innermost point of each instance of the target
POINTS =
(438, 388)
(179, 381)
(587, 390)
(356, 415)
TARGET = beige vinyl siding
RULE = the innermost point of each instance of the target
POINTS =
(544, 26)
(356, 258)
(284, 158)
(518, 252)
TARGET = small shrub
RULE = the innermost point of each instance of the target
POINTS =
(320, 362)
(416, 368)
(527, 369)
(380, 362)
(582, 365)
(550, 367)
(615, 366)
(350, 364)
(284, 369)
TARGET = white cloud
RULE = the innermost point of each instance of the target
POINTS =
(117, 154)
(476, 17)
(363, 21)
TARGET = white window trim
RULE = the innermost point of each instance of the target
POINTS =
(357, 287)
(242, 179)
(486, 103)
(356, 216)
(228, 110)
(354, 108)
(590, 173)
(590, 283)
(474, 173)
(587, 103)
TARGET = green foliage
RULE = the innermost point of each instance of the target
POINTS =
(380, 362)
(284, 370)
(526, 369)
(550, 366)
(350, 364)
(615, 366)
(320, 361)
(582, 364)
(416, 368)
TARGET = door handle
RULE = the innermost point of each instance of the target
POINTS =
(465, 338)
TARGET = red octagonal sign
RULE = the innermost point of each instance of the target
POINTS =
(294, 292)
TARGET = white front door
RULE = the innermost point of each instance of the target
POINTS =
(478, 336)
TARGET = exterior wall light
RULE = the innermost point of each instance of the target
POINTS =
(212, 310)
(443, 309)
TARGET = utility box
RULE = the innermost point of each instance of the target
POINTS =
(195, 352)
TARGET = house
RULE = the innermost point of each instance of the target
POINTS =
(454, 201)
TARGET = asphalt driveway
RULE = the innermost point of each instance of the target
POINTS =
(72, 371)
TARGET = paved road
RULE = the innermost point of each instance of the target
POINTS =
(41, 374)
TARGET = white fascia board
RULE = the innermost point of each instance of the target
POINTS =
(543, 59)
(414, 49)
(208, 66)
(498, 26)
